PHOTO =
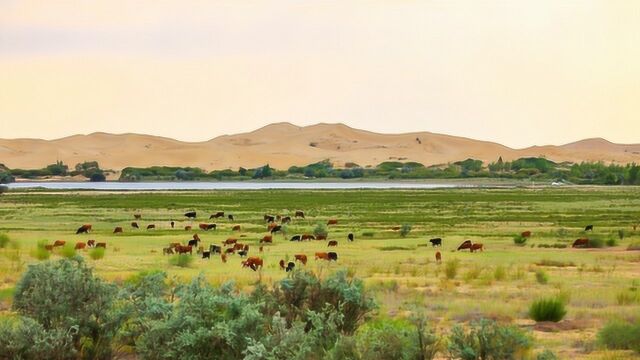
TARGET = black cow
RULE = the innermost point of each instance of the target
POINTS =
(436, 242)
(269, 218)
(135, 225)
(588, 228)
(295, 238)
(276, 229)
(286, 219)
(211, 226)
(243, 253)
(190, 214)
(173, 224)
(350, 237)
(333, 256)
(230, 217)
(215, 249)
(290, 266)
(206, 254)
(194, 242)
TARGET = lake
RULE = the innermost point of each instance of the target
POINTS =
(230, 185)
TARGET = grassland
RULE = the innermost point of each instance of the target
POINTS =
(498, 283)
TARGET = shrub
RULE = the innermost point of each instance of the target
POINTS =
(519, 240)
(181, 260)
(97, 253)
(487, 339)
(547, 309)
(547, 355)
(620, 335)
(68, 250)
(395, 339)
(405, 229)
(41, 253)
(612, 242)
(628, 297)
(4, 240)
(320, 230)
(542, 277)
(596, 242)
(451, 268)
(621, 234)
(25, 338)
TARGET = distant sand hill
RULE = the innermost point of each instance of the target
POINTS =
(282, 145)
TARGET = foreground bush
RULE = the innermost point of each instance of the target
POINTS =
(487, 339)
(619, 335)
(550, 309)
(25, 338)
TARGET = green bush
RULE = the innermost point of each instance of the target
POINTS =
(25, 338)
(4, 240)
(320, 230)
(542, 277)
(405, 229)
(596, 242)
(451, 268)
(395, 339)
(487, 339)
(97, 253)
(612, 242)
(621, 234)
(620, 335)
(547, 309)
(181, 260)
(40, 252)
(519, 240)
(68, 251)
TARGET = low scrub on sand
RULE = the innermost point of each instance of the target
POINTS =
(487, 339)
(548, 309)
(620, 335)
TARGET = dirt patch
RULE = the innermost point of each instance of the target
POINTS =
(566, 325)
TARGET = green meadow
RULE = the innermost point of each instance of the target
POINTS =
(499, 283)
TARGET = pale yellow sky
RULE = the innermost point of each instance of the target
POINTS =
(516, 72)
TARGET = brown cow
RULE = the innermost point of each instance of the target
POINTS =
(181, 249)
(282, 264)
(59, 243)
(101, 245)
(581, 243)
(260, 249)
(151, 226)
(321, 237)
(230, 251)
(236, 228)
(322, 255)
(307, 237)
(266, 239)
(137, 216)
(465, 245)
(438, 257)
(135, 225)
(476, 247)
(223, 257)
(301, 257)
(299, 214)
(80, 245)
(91, 243)
(196, 237)
(219, 214)
(230, 241)
(238, 246)
(187, 228)
(84, 229)
(332, 243)
(332, 222)
(206, 227)
(253, 262)
(395, 228)
(117, 230)
(526, 234)
(271, 226)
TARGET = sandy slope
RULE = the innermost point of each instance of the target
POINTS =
(283, 144)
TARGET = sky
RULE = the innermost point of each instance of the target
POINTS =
(516, 72)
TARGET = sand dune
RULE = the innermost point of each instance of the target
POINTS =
(282, 145)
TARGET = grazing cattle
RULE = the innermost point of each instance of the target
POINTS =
(438, 257)
(526, 234)
(243, 253)
(135, 225)
(173, 224)
(476, 247)
(193, 242)
(230, 241)
(59, 243)
(322, 255)
(260, 249)
(48, 247)
(137, 216)
(286, 219)
(190, 214)
(219, 214)
(253, 262)
(332, 256)
(101, 245)
(196, 237)
(206, 227)
(215, 249)
(276, 229)
(91, 243)
(332, 222)
(588, 228)
(246, 247)
(295, 238)
(350, 237)
(395, 228)
(583, 242)
(167, 251)
(181, 249)
(187, 228)
(269, 218)
(321, 237)
(436, 242)
(301, 257)
(206, 255)
(223, 257)
(271, 226)
(238, 246)
(230, 251)
(332, 243)
(290, 266)
(266, 239)
(151, 227)
(80, 246)
(465, 245)
(236, 228)
(117, 230)
(281, 264)
(307, 237)
(230, 217)
(84, 229)
(299, 214)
